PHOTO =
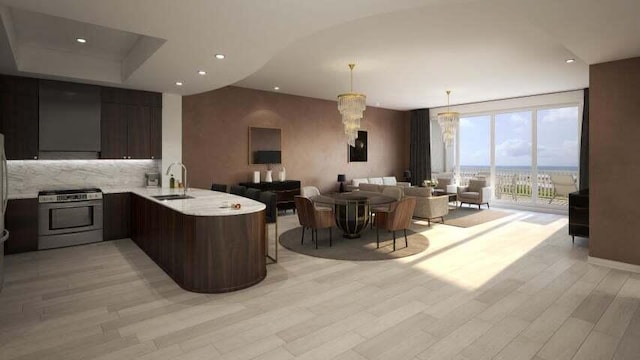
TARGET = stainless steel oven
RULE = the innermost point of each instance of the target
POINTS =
(69, 217)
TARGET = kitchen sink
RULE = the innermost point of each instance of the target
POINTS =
(172, 197)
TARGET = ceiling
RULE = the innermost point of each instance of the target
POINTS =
(408, 52)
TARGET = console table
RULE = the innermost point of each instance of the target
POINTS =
(579, 214)
(285, 191)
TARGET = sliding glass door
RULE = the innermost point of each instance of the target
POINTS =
(525, 153)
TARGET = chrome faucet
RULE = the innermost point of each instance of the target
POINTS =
(185, 175)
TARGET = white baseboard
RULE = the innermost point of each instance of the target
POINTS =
(614, 264)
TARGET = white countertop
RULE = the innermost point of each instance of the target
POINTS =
(204, 203)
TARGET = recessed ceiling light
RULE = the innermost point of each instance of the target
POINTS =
(569, 61)
(219, 56)
(276, 88)
(179, 83)
(202, 72)
(81, 40)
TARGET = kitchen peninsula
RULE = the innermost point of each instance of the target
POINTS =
(202, 243)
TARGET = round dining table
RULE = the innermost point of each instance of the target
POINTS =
(352, 210)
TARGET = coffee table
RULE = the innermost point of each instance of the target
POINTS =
(352, 210)
(453, 197)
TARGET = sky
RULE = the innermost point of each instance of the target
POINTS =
(557, 138)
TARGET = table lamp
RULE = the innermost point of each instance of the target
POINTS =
(341, 179)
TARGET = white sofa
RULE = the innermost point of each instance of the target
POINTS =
(384, 181)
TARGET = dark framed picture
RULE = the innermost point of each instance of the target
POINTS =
(358, 153)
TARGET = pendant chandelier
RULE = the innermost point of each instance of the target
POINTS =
(448, 122)
(351, 106)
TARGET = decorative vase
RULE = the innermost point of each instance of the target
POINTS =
(268, 177)
(256, 177)
(283, 174)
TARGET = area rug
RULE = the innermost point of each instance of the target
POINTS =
(468, 217)
(363, 248)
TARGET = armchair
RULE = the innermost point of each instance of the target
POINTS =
(476, 193)
(562, 185)
(431, 208)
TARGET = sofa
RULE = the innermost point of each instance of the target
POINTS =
(427, 206)
(382, 181)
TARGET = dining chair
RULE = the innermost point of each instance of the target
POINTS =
(313, 218)
(219, 187)
(398, 218)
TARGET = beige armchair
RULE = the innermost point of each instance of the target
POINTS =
(428, 207)
(432, 208)
(476, 193)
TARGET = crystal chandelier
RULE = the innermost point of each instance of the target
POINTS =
(351, 105)
(448, 122)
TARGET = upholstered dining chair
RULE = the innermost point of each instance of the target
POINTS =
(219, 187)
(398, 218)
(253, 194)
(391, 191)
(309, 191)
(313, 218)
(269, 199)
(238, 190)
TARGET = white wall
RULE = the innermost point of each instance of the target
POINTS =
(171, 135)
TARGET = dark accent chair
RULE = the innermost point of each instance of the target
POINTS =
(219, 187)
(398, 218)
(253, 194)
(313, 218)
(238, 190)
(271, 217)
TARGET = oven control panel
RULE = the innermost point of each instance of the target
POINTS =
(69, 197)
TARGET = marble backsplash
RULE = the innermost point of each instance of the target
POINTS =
(29, 176)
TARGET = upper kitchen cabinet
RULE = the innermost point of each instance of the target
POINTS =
(19, 117)
(131, 124)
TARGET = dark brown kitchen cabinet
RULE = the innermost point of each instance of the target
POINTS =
(131, 124)
(117, 216)
(21, 220)
(19, 117)
(139, 131)
(113, 131)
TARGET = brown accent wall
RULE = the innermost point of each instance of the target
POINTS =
(215, 128)
(614, 131)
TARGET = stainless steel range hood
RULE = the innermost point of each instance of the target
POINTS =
(69, 121)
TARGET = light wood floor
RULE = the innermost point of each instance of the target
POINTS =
(514, 288)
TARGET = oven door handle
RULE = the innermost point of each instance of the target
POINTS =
(62, 205)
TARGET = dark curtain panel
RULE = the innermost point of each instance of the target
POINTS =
(584, 144)
(420, 161)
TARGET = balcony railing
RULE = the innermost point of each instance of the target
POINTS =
(515, 184)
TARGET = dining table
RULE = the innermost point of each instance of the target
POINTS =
(352, 210)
